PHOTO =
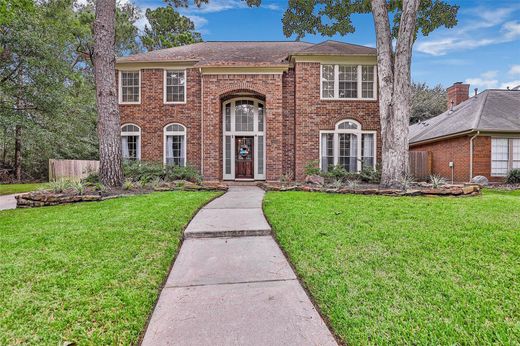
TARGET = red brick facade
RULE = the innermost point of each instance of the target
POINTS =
(457, 150)
(294, 117)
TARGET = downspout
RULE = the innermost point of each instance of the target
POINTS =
(471, 155)
(201, 123)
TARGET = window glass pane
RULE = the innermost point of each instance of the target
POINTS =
(227, 114)
(175, 82)
(367, 150)
(347, 125)
(347, 157)
(244, 115)
(367, 81)
(175, 150)
(228, 154)
(260, 117)
(260, 154)
(347, 81)
(130, 86)
(327, 84)
(327, 151)
(499, 156)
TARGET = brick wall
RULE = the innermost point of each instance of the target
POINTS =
(152, 115)
(313, 115)
(457, 150)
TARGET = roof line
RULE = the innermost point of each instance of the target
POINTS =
(479, 112)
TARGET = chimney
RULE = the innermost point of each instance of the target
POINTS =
(457, 93)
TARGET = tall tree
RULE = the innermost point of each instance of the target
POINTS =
(168, 28)
(110, 158)
(427, 102)
(393, 19)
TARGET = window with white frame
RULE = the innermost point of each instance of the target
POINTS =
(348, 82)
(131, 142)
(347, 146)
(175, 145)
(505, 155)
(175, 86)
(129, 86)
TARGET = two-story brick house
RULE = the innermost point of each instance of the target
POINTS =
(251, 110)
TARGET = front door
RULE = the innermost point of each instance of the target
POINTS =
(244, 158)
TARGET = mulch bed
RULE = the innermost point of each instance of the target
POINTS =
(49, 198)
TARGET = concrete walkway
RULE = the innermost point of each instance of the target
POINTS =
(231, 284)
(7, 202)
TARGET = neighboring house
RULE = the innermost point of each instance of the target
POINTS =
(476, 136)
(251, 110)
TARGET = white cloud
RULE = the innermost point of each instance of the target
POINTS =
(273, 7)
(141, 23)
(489, 74)
(514, 70)
(198, 21)
(473, 33)
(482, 83)
(216, 6)
(510, 84)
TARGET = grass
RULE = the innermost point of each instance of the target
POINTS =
(88, 273)
(9, 189)
(407, 270)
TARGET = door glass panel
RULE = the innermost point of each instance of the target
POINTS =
(260, 154)
(228, 154)
(244, 115)
(348, 151)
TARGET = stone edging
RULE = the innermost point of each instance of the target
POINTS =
(465, 190)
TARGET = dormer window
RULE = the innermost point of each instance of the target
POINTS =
(174, 86)
(351, 82)
(129, 87)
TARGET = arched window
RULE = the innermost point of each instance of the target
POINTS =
(347, 146)
(175, 145)
(131, 142)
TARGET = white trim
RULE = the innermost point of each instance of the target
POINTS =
(131, 133)
(120, 88)
(359, 83)
(233, 133)
(185, 88)
(359, 132)
(176, 133)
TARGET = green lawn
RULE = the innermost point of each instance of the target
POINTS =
(9, 189)
(407, 270)
(88, 273)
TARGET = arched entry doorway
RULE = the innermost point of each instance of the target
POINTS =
(243, 139)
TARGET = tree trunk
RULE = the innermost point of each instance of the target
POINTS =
(110, 167)
(18, 153)
(4, 147)
(394, 87)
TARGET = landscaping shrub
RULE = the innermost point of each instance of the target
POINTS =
(437, 181)
(312, 168)
(513, 177)
(339, 173)
(370, 175)
(188, 173)
(92, 178)
(148, 172)
(59, 186)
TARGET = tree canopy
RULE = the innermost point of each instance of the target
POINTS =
(427, 102)
(168, 28)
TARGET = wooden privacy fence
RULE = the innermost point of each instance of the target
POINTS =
(420, 164)
(71, 169)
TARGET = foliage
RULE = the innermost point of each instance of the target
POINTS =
(370, 175)
(59, 186)
(9, 189)
(128, 184)
(88, 273)
(335, 16)
(312, 168)
(406, 270)
(427, 102)
(78, 187)
(168, 28)
(92, 178)
(145, 172)
(407, 181)
(437, 181)
(513, 177)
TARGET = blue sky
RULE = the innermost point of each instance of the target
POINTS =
(483, 49)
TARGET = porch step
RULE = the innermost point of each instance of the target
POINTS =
(241, 182)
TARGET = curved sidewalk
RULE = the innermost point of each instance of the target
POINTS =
(231, 284)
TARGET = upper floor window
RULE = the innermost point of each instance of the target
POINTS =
(129, 87)
(131, 142)
(348, 82)
(174, 86)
